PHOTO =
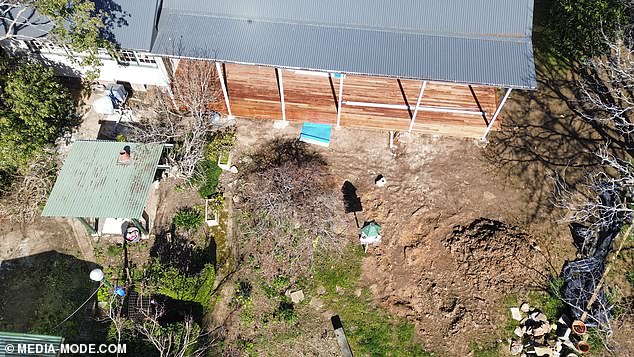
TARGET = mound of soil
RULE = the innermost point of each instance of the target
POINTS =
(451, 281)
(494, 256)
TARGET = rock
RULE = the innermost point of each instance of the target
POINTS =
(297, 296)
(541, 331)
(519, 332)
(358, 292)
(542, 317)
(321, 290)
(525, 307)
(516, 314)
(316, 303)
(516, 348)
(340, 290)
(543, 351)
(235, 199)
(380, 181)
(233, 169)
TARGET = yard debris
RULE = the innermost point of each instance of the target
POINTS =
(297, 296)
(380, 181)
(539, 337)
(516, 347)
(515, 313)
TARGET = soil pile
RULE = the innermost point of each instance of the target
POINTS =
(452, 280)
(494, 256)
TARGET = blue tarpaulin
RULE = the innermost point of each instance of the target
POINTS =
(318, 134)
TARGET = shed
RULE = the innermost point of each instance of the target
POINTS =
(102, 179)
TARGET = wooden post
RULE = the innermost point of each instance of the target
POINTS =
(91, 230)
(221, 77)
(420, 98)
(281, 88)
(497, 112)
(340, 100)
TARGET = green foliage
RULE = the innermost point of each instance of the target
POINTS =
(370, 331)
(575, 29)
(276, 287)
(115, 250)
(33, 109)
(177, 285)
(286, 312)
(189, 219)
(79, 26)
(207, 177)
(220, 145)
(103, 294)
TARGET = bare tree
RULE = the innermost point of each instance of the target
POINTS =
(190, 124)
(29, 189)
(289, 209)
(185, 339)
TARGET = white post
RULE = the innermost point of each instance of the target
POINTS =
(221, 76)
(497, 112)
(279, 78)
(420, 98)
(340, 100)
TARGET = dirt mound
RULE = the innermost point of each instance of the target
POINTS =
(494, 256)
(451, 279)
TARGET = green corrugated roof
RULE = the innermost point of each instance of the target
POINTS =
(14, 339)
(93, 184)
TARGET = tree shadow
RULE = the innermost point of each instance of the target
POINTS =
(179, 250)
(41, 290)
(278, 152)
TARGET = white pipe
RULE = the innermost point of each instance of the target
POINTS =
(420, 97)
(279, 78)
(224, 87)
(495, 116)
(423, 108)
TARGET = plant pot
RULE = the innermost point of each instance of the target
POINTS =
(579, 327)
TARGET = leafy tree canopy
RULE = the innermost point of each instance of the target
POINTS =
(577, 29)
(33, 108)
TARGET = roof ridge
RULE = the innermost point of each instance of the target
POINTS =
(492, 37)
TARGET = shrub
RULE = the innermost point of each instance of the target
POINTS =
(189, 219)
(115, 250)
(177, 285)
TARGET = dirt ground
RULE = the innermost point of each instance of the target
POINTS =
(458, 233)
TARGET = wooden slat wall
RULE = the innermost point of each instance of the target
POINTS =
(253, 93)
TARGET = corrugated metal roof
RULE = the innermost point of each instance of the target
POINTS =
(479, 60)
(467, 17)
(15, 339)
(93, 184)
(467, 41)
(131, 22)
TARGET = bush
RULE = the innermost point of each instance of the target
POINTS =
(115, 250)
(207, 177)
(177, 285)
(189, 219)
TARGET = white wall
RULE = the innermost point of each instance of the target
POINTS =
(109, 71)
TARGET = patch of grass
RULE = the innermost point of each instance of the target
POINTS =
(490, 349)
(189, 219)
(370, 331)
(548, 301)
(596, 342)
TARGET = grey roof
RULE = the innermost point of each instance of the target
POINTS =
(93, 184)
(468, 41)
(28, 23)
(130, 23)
